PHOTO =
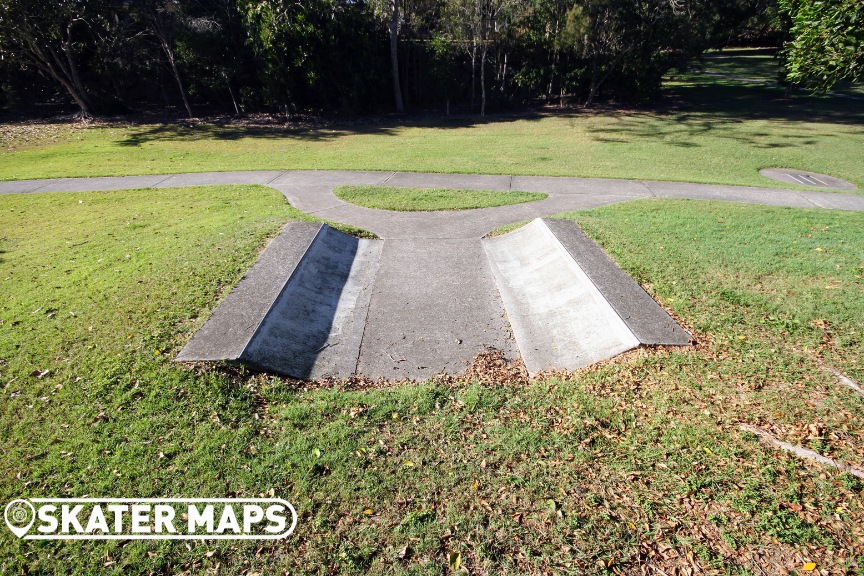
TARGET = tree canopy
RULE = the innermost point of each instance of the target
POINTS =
(111, 56)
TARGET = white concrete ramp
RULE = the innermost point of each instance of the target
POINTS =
(560, 309)
(559, 318)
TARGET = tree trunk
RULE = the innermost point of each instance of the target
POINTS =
(169, 53)
(54, 67)
(394, 55)
(473, 69)
(80, 100)
(593, 87)
(595, 84)
(231, 92)
(483, 80)
(73, 68)
(555, 57)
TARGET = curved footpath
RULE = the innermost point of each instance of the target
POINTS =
(432, 295)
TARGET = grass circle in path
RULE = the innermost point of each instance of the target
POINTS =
(428, 199)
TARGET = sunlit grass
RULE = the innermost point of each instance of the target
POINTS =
(716, 131)
(430, 199)
(638, 460)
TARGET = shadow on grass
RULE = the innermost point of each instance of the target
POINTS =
(386, 127)
(703, 105)
(720, 108)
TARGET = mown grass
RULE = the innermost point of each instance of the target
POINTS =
(430, 199)
(634, 462)
(763, 65)
(711, 130)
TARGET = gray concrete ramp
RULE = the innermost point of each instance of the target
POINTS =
(300, 311)
(557, 296)
(315, 326)
(227, 332)
(648, 322)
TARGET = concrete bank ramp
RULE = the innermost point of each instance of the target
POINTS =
(568, 303)
(321, 303)
(301, 309)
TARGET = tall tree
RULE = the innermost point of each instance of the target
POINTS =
(164, 19)
(478, 25)
(393, 28)
(45, 34)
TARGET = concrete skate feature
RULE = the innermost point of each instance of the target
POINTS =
(559, 294)
(434, 308)
(300, 311)
(227, 332)
(648, 322)
(315, 326)
(803, 178)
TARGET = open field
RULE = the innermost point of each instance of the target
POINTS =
(638, 461)
(713, 130)
(761, 65)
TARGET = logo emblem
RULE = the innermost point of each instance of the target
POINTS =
(20, 516)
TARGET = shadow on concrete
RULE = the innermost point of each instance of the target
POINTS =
(297, 329)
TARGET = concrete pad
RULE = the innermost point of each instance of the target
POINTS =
(559, 317)
(464, 181)
(804, 178)
(644, 317)
(262, 177)
(228, 331)
(434, 308)
(315, 327)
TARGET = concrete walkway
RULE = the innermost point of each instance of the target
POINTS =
(428, 298)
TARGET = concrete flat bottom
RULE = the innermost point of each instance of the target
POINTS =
(434, 308)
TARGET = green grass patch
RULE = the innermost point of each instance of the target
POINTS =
(501, 230)
(713, 130)
(430, 199)
(762, 65)
(636, 461)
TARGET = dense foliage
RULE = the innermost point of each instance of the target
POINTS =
(110, 56)
(827, 43)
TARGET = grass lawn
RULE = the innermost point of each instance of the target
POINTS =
(430, 199)
(713, 130)
(760, 64)
(635, 461)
